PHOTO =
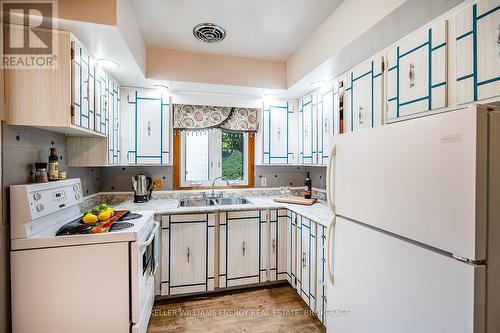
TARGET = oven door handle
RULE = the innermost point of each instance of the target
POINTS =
(151, 237)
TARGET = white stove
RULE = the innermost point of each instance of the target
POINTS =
(56, 274)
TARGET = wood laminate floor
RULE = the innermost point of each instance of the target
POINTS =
(270, 309)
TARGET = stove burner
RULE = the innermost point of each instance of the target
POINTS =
(130, 216)
(120, 226)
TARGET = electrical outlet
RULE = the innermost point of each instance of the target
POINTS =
(263, 181)
(157, 184)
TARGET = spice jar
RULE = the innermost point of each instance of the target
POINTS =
(41, 173)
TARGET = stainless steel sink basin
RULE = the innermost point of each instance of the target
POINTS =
(197, 202)
(212, 202)
(232, 201)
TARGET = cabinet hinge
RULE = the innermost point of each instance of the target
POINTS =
(382, 66)
(72, 53)
(72, 108)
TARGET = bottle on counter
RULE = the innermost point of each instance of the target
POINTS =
(53, 164)
(307, 187)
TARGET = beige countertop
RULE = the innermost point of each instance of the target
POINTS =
(318, 212)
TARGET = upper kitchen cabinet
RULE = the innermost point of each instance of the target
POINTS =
(477, 54)
(366, 94)
(82, 87)
(308, 138)
(145, 126)
(42, 97)
(101, 101)
(280, 123)
(113, 122)
(100, 151)
(344, 84)
(328, 118)
(417, 73)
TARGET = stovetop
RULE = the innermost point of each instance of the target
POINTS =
(77, 227)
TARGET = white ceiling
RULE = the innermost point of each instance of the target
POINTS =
(264, 29)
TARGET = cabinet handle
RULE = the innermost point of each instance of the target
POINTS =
(304, 259)
(498, 41)
(327, 129)
(88, 89)
(306, 130)
(149, 128)
(360, 114)
(411, 75)
(188, 253)
(274, 245)
(279, 132)
(243, 248)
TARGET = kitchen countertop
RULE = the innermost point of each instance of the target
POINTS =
(318, 212)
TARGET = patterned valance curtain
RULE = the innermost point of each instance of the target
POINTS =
(196, 117)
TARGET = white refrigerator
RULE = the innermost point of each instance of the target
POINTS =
(414, 246)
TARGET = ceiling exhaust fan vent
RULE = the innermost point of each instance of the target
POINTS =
(209, 33)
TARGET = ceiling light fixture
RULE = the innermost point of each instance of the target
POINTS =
(209, 33)
(161, 87)
(320, 83)
(107, 63)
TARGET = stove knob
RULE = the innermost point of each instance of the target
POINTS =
(39, 207)
(75, 188)
(77, 196)
(37, 196)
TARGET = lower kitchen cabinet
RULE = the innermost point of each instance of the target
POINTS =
(240, 248)
(278, 240)
(321, 280)
(188, 244)
(306, 261)
(291, 262)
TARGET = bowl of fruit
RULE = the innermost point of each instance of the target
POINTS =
(101, 213)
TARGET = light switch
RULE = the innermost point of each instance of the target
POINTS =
(263, 181)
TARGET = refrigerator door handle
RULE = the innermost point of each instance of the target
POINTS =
(328, 247)
(329, 185)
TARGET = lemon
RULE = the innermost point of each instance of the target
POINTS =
(104, 216)
(110, 211)
(90, 218)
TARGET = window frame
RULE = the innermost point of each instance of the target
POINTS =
(178, 161)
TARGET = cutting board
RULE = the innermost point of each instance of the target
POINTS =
(296, 200)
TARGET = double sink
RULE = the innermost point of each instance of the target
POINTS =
(212, 202)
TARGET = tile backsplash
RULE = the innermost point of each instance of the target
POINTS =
(23, 146)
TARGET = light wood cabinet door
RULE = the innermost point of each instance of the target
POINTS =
(187, 254)
(327, 121)
(275, 133)
(82, 83)
(321, 278)
(306, 260)
(308, 129)
(477, 55)
(240, 248)
(278, 241)
(417, 73)
(114, 122)
(101, 101)
(148, 126)
(366, 94)
(344, 83)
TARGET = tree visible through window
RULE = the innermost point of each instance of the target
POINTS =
(232, 155)
(208, 154)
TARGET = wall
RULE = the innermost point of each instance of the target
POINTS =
(349, 21)
(118, 179)
(174, 65)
